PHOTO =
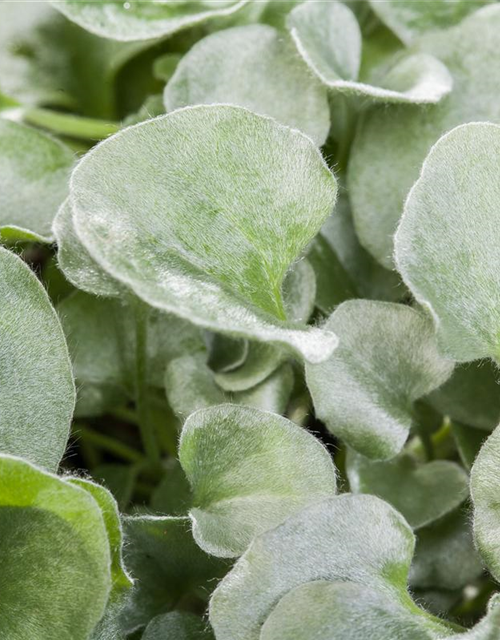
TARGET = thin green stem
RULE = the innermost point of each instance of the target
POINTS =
(107, 443)
(70, 125)
(146, 425)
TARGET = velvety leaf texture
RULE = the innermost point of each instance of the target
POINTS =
(55, 577)
(249, 470)
(254, 67)
(366, 396)
(35, 171)
(328, 37)
(160, 228)
(446, 248)
(35, 408)
(391, 143)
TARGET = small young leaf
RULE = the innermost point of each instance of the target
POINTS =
(365, 396)
(446, 244)
(410, 19)
(445, 557)
(135, 20)
(391, 142)
(166, 565)
(328, 37)
(254, 67)
(349, 538)
(55, 577)
(422, 493)
(485, 484)
(35, 408)
(249, 470)
(177, 625)
(35, 171)
(327, 610)
(207, 227)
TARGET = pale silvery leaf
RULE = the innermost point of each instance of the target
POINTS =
(35, 170)
(55, 555)
(486, 629)
(254, 67)
(391, 142)
(470, 396)
(345, 538)
(387, 358)
(410, 19)
(207, 227)
(75, 261)
(326, 610)
(35, 408)
(445, 557)
(422, 493)
(167, 566)
(136, 20)
(328, 37)
(249, 470)
(446, 244)
(177, 625)
(111, 517)
(485, 483)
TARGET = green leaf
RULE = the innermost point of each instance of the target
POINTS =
(35, 171)
(445, 557)
(471, 395)
(177, 625)
(55, 578)
(365, 396)
(225, 353)
(391, 142)
(253, 67)
(137, 20)
(109, 510)
(485, 483)
(249, 470)
(346, 538)
(119, 479)
(75, 261)
(326, 610)
(166, 564)
(422, 493)
(469, 442)
(410, 19)
(172, 496)
(35, 408)
(448, 258)
(216, 252)
(328, 37)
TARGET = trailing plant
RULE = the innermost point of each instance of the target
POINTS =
(249, 320)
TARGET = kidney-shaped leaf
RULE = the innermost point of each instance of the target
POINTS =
(249, 470)
(137, 20)
(254, 67)
(345, 538)
(387, 358)
(55, 578)
(485, 487)
(328, 37)
(422, 493)
(35, 170)
(37, 393)
(391, 142)
(448, 241)
(202, 211)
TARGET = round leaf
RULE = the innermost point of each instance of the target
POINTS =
(249, 470)
(37, 393)
(254, 67)
(207, 226)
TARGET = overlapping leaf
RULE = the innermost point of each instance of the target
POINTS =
(249, 470)
(254, 67)
(365, 395)
(207, 227)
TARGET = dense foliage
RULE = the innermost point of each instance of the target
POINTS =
(249, 320)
